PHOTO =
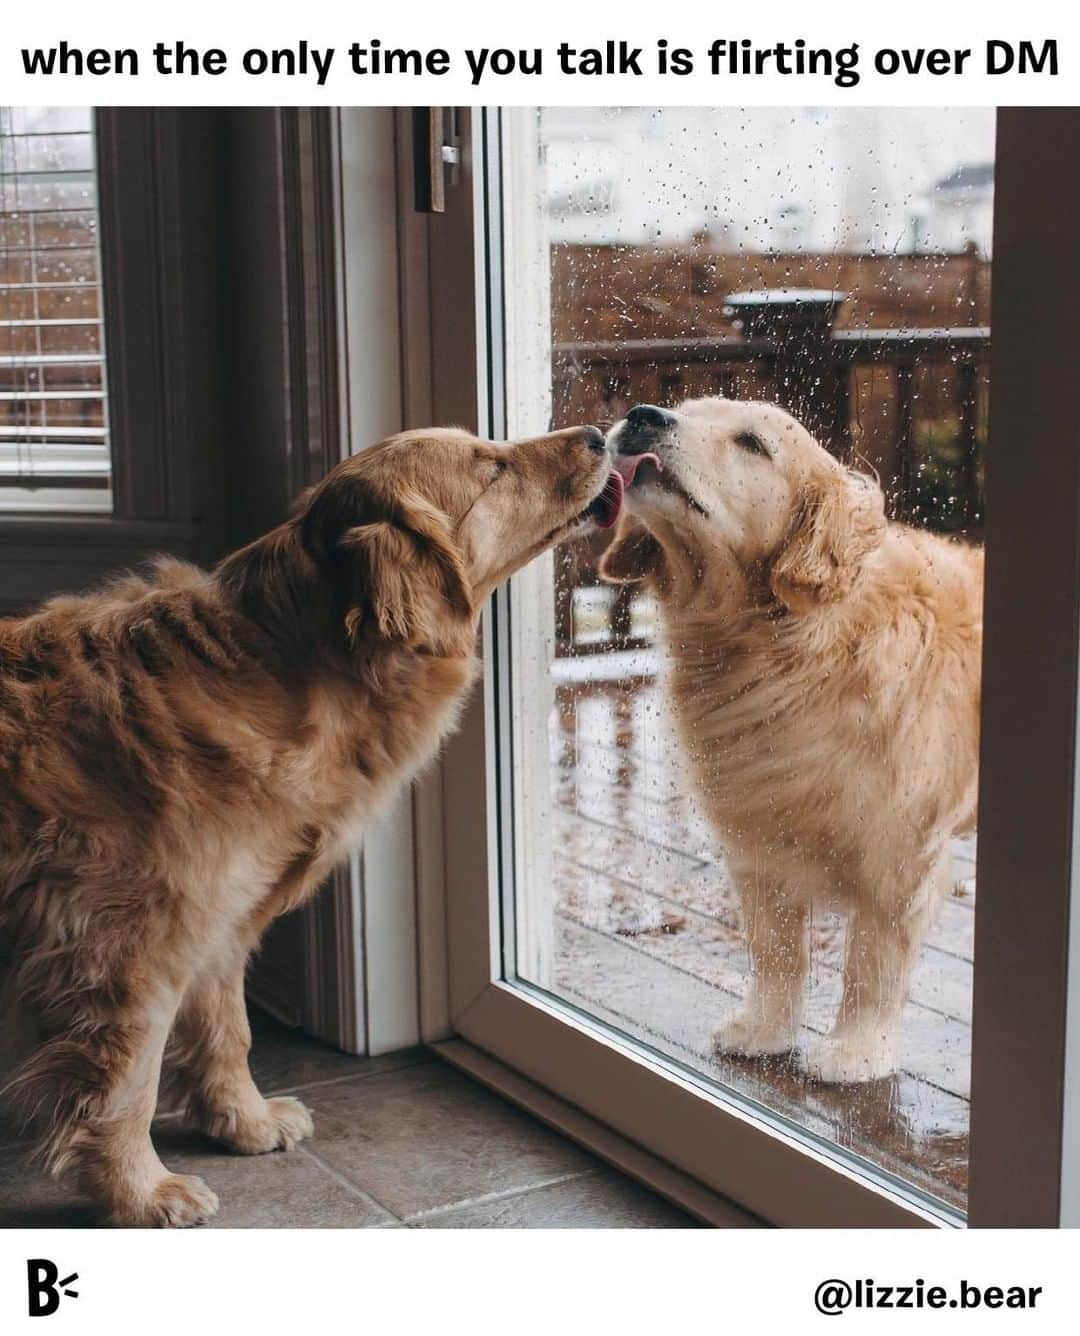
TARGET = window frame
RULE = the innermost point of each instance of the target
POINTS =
(157, 177)
(1018, 1103)
(63, 468)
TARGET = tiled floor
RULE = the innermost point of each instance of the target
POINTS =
(400, 1141)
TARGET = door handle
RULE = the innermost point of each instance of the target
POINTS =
(436, 156)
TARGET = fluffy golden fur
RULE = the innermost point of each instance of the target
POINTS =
(823, 668)
(185, 755)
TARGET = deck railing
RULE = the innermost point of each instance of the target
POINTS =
(789, 350)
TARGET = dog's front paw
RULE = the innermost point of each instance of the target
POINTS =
(850, 1059)
(176, 1202)
(752, 1036)
(277, 1124)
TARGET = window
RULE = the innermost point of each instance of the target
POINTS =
(593, 935)
(825, 260)
(54, 439)
(111, 343)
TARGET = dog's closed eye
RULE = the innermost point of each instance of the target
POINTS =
(754, 444)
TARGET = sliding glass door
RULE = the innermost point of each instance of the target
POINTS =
(837, 262)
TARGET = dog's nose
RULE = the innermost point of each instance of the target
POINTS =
(594, 439)
(649, 418)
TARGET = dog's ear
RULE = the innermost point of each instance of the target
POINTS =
(840, 522)
(407, 579)
(632, 556)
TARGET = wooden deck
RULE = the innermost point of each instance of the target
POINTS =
(647, 939)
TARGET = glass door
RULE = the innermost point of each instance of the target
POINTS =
(729, 888)
(837, 262)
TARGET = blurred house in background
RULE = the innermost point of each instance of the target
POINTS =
(811, 179)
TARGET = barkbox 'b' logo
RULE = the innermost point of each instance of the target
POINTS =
(43, 1288)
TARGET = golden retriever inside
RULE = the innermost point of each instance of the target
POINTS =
(822, 666)
(185, 755)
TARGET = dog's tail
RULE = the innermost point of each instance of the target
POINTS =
(58, 1094)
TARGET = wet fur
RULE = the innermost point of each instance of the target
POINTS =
(823, 673)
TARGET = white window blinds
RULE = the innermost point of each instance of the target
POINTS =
(54, 446)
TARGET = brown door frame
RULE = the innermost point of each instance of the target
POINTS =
(1027, 806)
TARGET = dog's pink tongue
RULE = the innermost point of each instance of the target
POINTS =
(628, 465)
